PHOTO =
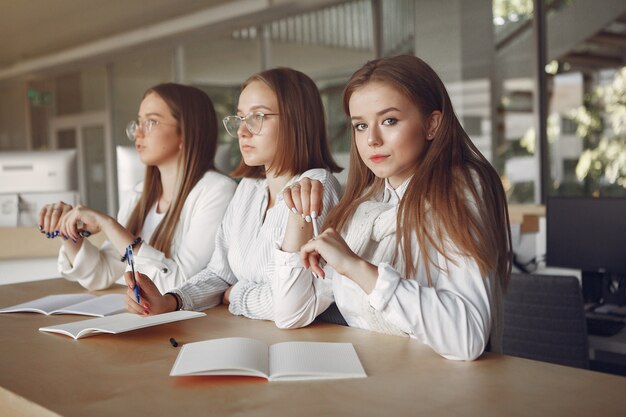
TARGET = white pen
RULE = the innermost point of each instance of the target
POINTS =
(316, 231)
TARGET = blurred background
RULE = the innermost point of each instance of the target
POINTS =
(539, 85)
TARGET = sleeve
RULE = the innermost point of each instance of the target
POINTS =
(298, 296)
(205, 289)
(256, 299)
(196, 241)
(97, 268)
(452, 316)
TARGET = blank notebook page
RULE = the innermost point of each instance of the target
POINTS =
(231, 354)
(311, 360)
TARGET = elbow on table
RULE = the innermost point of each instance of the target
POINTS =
(469, 351)
(290, 319)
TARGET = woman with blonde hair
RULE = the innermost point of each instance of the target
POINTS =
(282, 137)
(419, 245)
(172, 217)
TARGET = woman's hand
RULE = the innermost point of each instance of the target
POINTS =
(336, 252)
(81, 219)
(151, 301)
(304, 199)
(50, 218)
(226, 296)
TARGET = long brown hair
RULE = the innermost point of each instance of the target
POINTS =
(454, 193)
(302, 127)
(196, 120)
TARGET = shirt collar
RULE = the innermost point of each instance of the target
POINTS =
(391, 195)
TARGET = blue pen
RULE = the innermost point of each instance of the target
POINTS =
(131, 262)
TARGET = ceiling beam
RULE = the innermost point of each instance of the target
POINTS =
(227, 16)
(608, 39)
(592, 61)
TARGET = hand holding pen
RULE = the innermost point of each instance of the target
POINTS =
(131, 263)
(304, 199)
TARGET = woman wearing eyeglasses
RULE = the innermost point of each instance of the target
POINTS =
(282, 137)
(172, 218)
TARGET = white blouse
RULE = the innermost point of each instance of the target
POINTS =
(192, 246)
(453, 316)
(244, 249)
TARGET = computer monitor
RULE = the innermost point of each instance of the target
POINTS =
(589, 234)
(130, 172)
(38, 171)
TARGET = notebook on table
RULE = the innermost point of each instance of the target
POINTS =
(80, 304)
(118, 323)
(287, 361)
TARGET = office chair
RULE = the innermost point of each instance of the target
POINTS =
(332, 315)
(544, 319)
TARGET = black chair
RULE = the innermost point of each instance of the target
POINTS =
(332, 315)
(544, 319)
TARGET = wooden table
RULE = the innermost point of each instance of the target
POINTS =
(127, 374)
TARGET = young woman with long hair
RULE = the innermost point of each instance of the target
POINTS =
(172, 217)
(419, 245)
(282, 137)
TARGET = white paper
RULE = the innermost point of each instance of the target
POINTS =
(118, 323)
(283, 361)
(81, 304)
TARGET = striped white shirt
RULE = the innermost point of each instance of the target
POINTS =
(244, 249)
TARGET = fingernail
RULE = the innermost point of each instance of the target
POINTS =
(74, 240)
(294, 210)
(64, 236)
(303, 216)
(146, 305)
(308, 219)
(57, 233)
(41, 228)
(146, 312)
(313, 215)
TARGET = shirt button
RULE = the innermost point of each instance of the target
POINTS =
(165, 270)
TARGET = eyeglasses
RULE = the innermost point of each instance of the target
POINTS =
(146, 127)
(253, 121)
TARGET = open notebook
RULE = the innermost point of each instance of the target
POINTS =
(118, 323)
(81, 304)
(278, 362)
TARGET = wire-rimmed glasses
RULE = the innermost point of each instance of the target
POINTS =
(146, 127)
(253, 122)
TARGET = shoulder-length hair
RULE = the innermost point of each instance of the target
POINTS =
(302, 141)
(197, 123)
(455, 194)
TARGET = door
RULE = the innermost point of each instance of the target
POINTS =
(89, 134)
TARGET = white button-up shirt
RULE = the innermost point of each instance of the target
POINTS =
(244, 249)
(453, 316)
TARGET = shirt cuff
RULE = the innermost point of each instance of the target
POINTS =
(187, 304)
(386, 284)
(236, 298)
(148, 252)
(282, 258)
(84, 261)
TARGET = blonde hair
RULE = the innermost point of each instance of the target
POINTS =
(196, 120)
(302, 128)
(435, 206)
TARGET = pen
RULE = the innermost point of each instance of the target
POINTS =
(316, 231)
(131, 262)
